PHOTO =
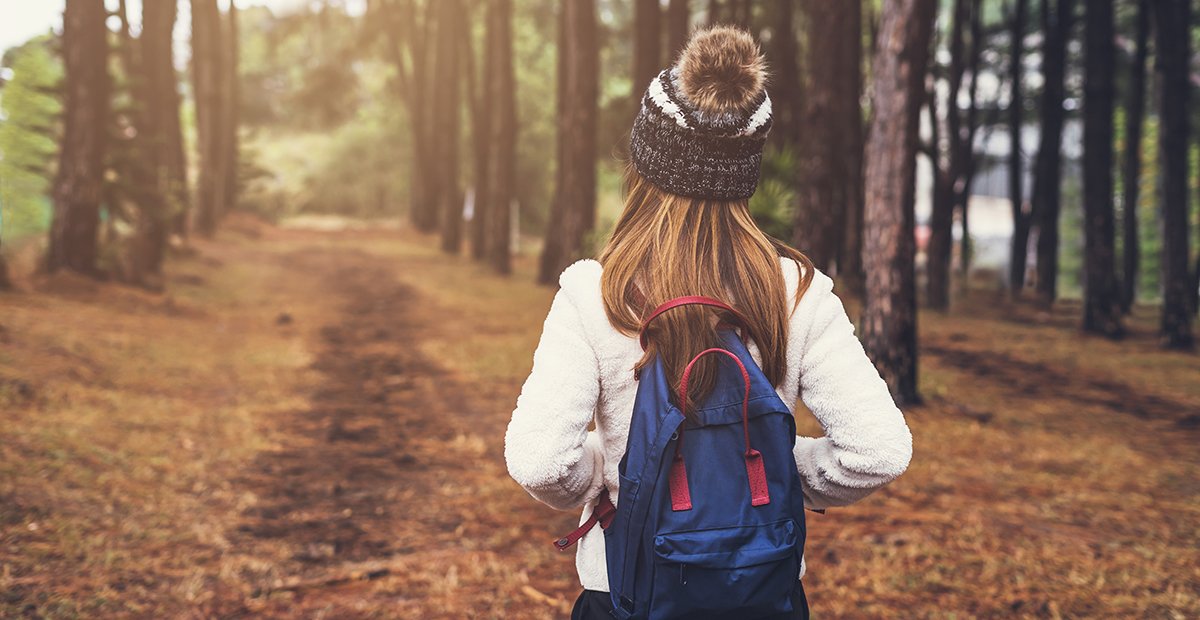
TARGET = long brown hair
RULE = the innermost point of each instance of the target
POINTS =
(666, 246)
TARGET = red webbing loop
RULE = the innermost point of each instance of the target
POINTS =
(756, 474)
(602, 513)
(689, 300)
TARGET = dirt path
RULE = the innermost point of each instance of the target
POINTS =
(386, 495)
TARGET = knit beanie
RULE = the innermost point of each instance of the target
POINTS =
(703, 122)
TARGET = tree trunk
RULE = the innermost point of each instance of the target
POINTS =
(849, 87)
(411, 32)
(573, 211)
(481, 81)
(78, 186)
(231, 97)
(678, 28)
(831, 113)
(890, 308)
(1172, 20)
(945, 160)
(206, 80)
(158, 101)
(1101, 296)
(1016, 191)
(647, 48)
(447, 121)
(783, 58)
(504, 131)
(1047, 180)
(1131, 169)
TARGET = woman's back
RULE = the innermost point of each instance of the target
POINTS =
(686, 230)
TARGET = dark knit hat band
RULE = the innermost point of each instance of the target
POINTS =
(694, 154)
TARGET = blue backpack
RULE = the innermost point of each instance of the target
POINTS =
(711, 516)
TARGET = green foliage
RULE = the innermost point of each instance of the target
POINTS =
(773, 203)
(29, 113)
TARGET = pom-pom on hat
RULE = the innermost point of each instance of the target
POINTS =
(703, 122)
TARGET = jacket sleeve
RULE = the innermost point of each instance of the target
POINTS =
(548, 448)
(866, 442)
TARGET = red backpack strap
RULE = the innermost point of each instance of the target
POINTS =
(688, 300)
(602, 513)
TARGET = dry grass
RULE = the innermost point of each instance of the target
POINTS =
(193, 455)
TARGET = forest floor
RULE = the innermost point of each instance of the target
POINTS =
(310, 424)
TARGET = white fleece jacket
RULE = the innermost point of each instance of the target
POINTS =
(583, 372)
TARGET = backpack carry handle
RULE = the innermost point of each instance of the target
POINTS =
(688, 300)
(756, 474)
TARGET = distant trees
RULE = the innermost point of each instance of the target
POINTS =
(206, 75)
(647, 47)
(1047, 181)
(78, 186)
(830, 133)
(503, 169)
(1101, 297)
(447, 120)
(1131, 166)
(952, 146)
(678, 28)
(573, 211)
(1022, 218)
(1172, 20)
(889, 322)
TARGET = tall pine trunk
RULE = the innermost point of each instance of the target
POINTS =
(1047, 180)
(1016, 190)
(1101, 295)
(206, 80)
(783, 58)
(890, 305)
(647, 47)
(946, 161)
(447, 121)
(503, 176)
(1131, 168)
(231, 97)
(79, 184)
(849, 87)
(573, 211)
(831, 111)
(678, 27)
(158, 101)
(481, 84)
(1172, 20)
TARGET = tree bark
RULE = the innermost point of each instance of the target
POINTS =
(647, 48)
(206, 80)
(79, 184)
(947, 164)
(158, 101)
(849, 91)
(447, 121)
(480, 80)
(1172, 20)
(411, 31)
(832, 113)
(889, 310)
(231, 97)
(1047, 181)
(503, 174)
(783, 58)
(678, 28)
(1101, 297)
(1016, 191)
(1131, 168)
(573, 211)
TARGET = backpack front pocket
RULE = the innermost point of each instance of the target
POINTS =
(751, 570)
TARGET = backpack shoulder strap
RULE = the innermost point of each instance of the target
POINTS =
(689, 300)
